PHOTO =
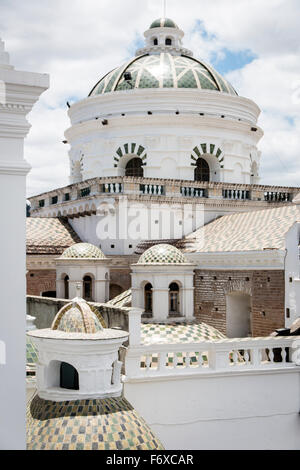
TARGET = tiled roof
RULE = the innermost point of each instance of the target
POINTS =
(106, 424)
(248, 231)
(122, 300)
(49, 235)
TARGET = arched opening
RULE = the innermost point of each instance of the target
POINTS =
(66, 286)
(114, 291)
(155, 42)
(168, 42)
(87, 288)
(134, 167)
(148, 297)
(238, 315)
(49, 293)
(68, 377)
(202, 172)
(173, 298)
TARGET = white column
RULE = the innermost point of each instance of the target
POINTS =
(160, 303)
(134, 326)
(18, 93)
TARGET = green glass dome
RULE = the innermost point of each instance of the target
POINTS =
(162, 254)
(83, 250)
(163, 23)
(163, 71)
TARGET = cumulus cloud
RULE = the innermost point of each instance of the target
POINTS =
(77, 42)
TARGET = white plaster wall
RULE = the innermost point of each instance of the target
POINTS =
(227, 411)
(169, 138)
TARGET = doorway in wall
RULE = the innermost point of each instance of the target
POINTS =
(238, 315)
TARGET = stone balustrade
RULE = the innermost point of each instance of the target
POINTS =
(226, 355)
(152, 189)
(193, 192)
(160, 187)
(236, 194)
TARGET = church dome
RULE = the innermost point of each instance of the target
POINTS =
(97, 424)
(163, 23)
(163, 70)
(78, 317)
(83, 250)
(162, 254)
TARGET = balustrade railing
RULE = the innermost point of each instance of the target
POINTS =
(236, 194)
(272, 196)
(192, 192)
(210, 356)
(112, 188)
(152, 189)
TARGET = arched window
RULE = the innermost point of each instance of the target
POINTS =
(134, 167)
(66, 286)
(174, 298)
(201, 170)
(148, 298)
(68, 377)
(87, 288)
(155, 42)
(168, 42)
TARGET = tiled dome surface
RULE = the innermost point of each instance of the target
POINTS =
(83, 250)
(78, 317)
(107, 424)
(163, 23)
(163, 71)
(162, 254)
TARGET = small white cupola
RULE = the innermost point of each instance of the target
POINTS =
(83, 270)
(164, 36)
(78, 355)
(163, 284)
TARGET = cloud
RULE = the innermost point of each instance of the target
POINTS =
(256, 43)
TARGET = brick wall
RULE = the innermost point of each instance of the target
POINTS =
(266, 290)
(39, 281)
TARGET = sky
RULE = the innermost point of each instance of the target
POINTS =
(255, 44)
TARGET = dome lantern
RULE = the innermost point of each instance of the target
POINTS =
(164, 36)
(78, 355)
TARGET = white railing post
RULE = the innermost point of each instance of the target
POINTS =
(134, 326)
(218, 356)
(295, 352)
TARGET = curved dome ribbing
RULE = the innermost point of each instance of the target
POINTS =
(163, 70)
(162, 254)
(163, 23)
(83, 250)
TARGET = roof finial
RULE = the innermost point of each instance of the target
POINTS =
(165, 9)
